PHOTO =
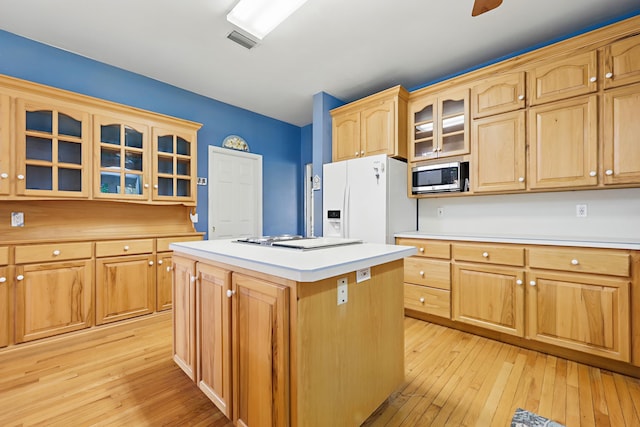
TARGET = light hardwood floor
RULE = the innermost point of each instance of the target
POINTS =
(124, 376)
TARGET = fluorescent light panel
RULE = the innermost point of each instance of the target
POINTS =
(260, 17)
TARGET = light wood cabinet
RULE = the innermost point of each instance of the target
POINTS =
(125, 285)
(588, 313)
(621, 62)
(260, 338)
(498, 153)
(498, 95)
(5, 153)
(491, 297)
(621, 161)
(439, 124)
(5, 318)
(174, 165)
(564, 78)
(563, 144)
(164, 280)
(370, 126)
(213, 335)
(184, 315)
(488, 253)
(52, 149)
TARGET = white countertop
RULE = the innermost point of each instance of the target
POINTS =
(294, 264)
(587, 242)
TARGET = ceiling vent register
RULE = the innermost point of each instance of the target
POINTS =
(241, 39)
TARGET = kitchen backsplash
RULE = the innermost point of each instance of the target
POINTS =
(610, 214)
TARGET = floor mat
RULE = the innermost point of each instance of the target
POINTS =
(524, 418)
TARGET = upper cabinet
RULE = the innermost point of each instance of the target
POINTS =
(621, 150)
(622, 62)
(52, 149)
(439, 125)
(5, 162)
(499, 94)
(373, 125)
(564, 78)
(174, 165)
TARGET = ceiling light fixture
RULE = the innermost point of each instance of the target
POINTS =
(260, 17)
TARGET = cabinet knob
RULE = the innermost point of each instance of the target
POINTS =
(421, 300)
(532, 283)
(608, 172)
(192, 278)
(609, 75)
(169, 268)
(574, 262)
(150, 262)
(362, 153)
(155, 186)
(20, 177)
(518, 282)
(521, 179)
(422, 273)
(421, 249)
(593, 79)
(126, 248)
(146, 186)
(230, 293)
(56, 252)
(160, 262)
(520, 97)
(20, 277)
(4, 175)
(356, 154)
(485, 254)
(3, 279)
(593, 173)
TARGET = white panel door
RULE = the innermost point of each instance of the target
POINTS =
(235, 194)
(367, 206)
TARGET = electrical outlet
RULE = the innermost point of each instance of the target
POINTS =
(342, 291)
(440, 212)
(17, 219)
(363, 274)
(581, 211)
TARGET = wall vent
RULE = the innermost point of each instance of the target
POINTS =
(241, 39)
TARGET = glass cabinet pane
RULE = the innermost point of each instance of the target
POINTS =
(453, 125)
(165, 187)
(110, 134)
(69, 152)
(40, 121)
(109, 158)
(69, 179)
(133, 161)
(183, 188)
(132, 138)
(165, 165)
(109, 182)
(39, 149)
(423, 132)
(183, 167)
(69, 126)
(183, 146)
(39, 178)
(132, 184)
(165, 144)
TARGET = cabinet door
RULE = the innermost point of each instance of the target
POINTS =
(52, 150)
(4, 306)
(121, 169)
(164, 277)
(378, 129)
(489, 297)
(5, 161)
(587, 313)
(563, 144)
(622, 62)
(125, 287)
(453, 123)
(564, 78)
(422, 117)
(184, 315)
(261, 352)
(498, 95)
(621, 130)
(174, 165)
(213, 336)
(346, 136)
(52, 299)
(498, 152)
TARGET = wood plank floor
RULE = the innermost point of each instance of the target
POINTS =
(124, 376)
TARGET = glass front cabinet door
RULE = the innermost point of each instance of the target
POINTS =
(121, 170)
(174, 165)
(52, 150)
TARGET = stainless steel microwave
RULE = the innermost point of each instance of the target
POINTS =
(438, 178)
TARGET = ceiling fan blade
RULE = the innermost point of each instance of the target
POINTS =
(482, 6)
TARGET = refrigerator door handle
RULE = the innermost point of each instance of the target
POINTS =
(345, 208)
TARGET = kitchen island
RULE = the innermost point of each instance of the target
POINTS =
(279, 336)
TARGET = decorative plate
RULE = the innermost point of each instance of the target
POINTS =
(235, 142)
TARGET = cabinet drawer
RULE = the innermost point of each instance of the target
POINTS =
(427, 272)
(489, 254)
(4, 255)
(124, 247)
(52, 252)
(427, 300)
(162, 244)
(615, 263)
(427, 248)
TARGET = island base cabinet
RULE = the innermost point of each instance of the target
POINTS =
(260, 318)
(581, 312)
(52, 298)
(184, 315)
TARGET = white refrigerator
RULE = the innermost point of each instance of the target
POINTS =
(366, 199)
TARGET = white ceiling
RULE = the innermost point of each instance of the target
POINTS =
(347, 48)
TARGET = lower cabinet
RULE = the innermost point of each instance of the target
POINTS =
(163, 281)
(4, 298)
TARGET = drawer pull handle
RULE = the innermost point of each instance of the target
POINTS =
(3, 279)
(20, 277)
(532, 283)
(421, 249)
(126, 247)
(422, 273)
(609, 75)
(159, 262)
(518, 282)
(230, 293)
(485, 254)
(56, 252)
(574, 262)
(421, 300)
(150, 262)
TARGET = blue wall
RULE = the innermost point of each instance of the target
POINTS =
(279, 143)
